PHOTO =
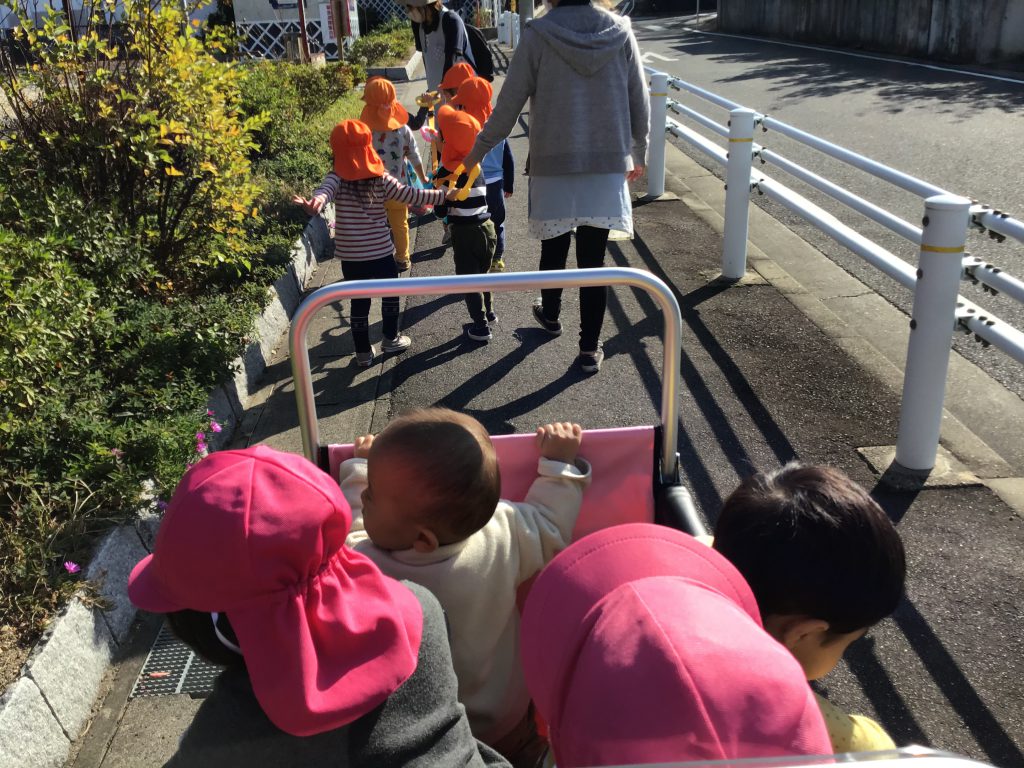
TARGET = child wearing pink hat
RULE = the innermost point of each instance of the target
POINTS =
(642, 645)
(328, 661)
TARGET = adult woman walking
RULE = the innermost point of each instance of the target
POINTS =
(580, 68)
(441, 37)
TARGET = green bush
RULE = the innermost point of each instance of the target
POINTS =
(388, 42)
(130, 276)
(149, 127)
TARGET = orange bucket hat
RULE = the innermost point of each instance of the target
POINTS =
(459, 130)
(354, 155)
(474, 96)
(382, 111)
(456, 76)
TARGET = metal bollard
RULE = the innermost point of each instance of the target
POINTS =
(656, 143)
(737, 193)
(514, 37)
(940, 265)
(503, 28)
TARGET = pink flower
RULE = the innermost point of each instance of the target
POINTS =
(209, 412)
(200, 437)
(72, 567)
(214, 426)
(201, 448)
(117, 453)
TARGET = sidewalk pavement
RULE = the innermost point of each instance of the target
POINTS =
(796, 361)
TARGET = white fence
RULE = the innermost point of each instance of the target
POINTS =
(938, 309)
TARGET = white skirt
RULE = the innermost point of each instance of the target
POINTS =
(557, 204)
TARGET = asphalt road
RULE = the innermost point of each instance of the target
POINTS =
(958, 129)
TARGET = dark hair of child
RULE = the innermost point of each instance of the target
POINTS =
(369, 192)
(812, 542)
(196, 630)
(453, 458)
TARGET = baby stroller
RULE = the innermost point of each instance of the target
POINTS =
(636, 469)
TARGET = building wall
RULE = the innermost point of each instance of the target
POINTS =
(966, 31)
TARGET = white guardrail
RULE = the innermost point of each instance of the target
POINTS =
(938, 309)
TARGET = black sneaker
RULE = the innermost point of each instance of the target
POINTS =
(551, 326)
(491, 317)
(590, 362)
(479, 332)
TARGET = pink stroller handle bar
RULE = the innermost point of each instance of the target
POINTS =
(500, 282)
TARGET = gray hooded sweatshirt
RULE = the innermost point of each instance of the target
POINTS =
(580, 68)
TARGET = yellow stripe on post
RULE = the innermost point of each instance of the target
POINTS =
(739, 141)
(941, 249)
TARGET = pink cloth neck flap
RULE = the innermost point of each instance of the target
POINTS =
(259, 535)
(641, 645)
(622, 462)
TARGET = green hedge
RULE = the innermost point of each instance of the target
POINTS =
(131, 278)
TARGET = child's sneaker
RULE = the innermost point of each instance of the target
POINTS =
(491, 317)
(402, 266)
(590, 362)
(497, 265)
(397, 344)
(479, 332)
(551, 326)
(446, 238)
(365, 359)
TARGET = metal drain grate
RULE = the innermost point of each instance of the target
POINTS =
(172, 667)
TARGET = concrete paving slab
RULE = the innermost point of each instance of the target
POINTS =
(22, 711)
(149, 731)
(947, 472)
(70, 663)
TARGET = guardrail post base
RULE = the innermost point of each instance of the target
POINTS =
(940, 265)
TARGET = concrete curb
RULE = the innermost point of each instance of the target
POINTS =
(398, 74)
(46, 710)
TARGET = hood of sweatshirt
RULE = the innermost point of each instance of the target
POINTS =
(585, 37)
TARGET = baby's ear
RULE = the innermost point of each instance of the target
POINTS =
(795, 630)
(426, 540)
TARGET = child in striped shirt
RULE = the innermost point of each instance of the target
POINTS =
(359, 185)
(473, 237)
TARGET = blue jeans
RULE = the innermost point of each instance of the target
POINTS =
(496, 207)
(371, 270)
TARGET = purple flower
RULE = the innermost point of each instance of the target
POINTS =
(214, 426)
(117, 453)
(71, 567)
(201, 448)
(161, 505)
(200, 437)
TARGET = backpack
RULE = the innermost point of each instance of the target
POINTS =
(479, 53)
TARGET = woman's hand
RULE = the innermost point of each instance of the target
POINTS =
(636, 173)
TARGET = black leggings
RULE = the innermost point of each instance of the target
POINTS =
(374, 269)
(590, 247)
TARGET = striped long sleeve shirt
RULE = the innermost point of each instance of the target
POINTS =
(361, 231)
(472, 210)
